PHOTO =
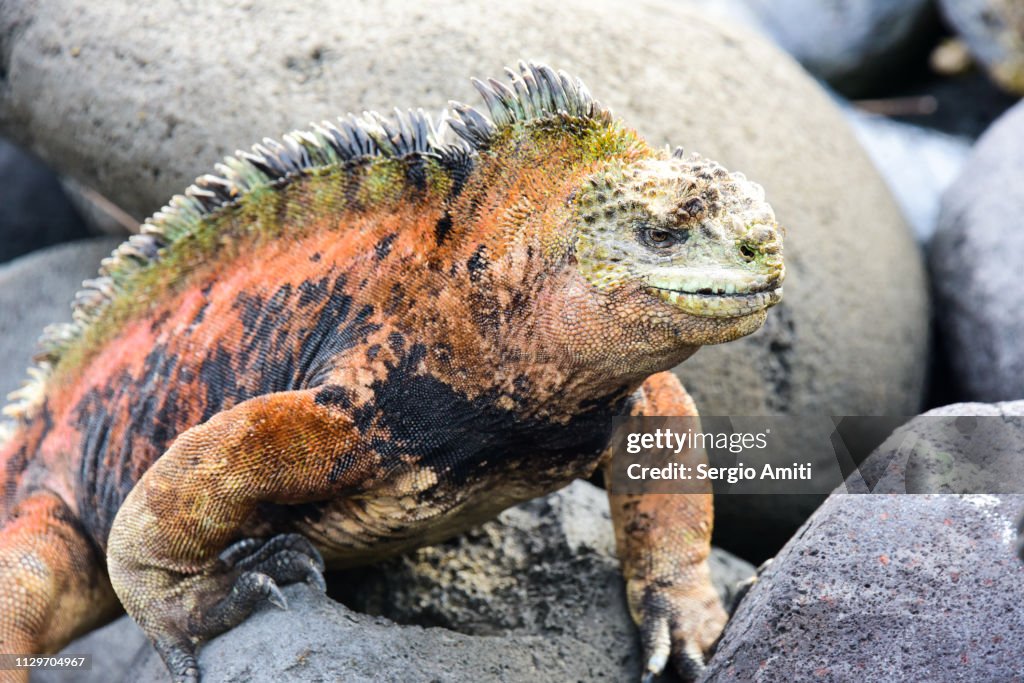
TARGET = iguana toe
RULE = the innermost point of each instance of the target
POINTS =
(249, 552)
(179, 655)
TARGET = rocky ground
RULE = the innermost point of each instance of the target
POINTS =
(888, 137)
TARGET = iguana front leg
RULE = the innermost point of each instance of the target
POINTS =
(165, 548)
(664, 540)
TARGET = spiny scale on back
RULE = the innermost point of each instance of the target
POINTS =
(537, 91)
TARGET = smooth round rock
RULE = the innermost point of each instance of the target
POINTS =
(37, 290)
(890, 586)
(994, 33)
(917, 163)
(853, 44)
(121, 101)
(976, 265)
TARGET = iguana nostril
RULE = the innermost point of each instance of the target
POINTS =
(748, 252)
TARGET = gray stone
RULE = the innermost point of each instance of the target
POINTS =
(35, 212)
(317, 639)
(852, 44)
(36, 290)
(889, 587)
(112, 650)
(534, 595)
(961, 448)
(975, 259)
(994, 33)
(114, 97)
(918, 164)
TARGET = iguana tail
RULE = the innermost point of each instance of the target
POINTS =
(53, 583)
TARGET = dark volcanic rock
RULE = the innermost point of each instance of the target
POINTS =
(890, 587)
(545, 566)
(534, 596)
(976, 262)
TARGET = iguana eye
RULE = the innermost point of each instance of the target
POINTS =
(659, 239)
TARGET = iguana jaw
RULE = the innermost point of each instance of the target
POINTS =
(719, 291)
(720, 305)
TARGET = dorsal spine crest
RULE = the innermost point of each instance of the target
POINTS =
(535, 93)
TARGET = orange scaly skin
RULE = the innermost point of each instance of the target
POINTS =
(368, 341)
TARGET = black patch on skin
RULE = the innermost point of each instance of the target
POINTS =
(459, 165)
(200, 314)
(517, 308)
(396, 340)
(333, 334)
(252, 306)
(217, 375)
(312, 292)
(341, 464)
(383, 248)
(415, 173)
(429, 420)
(159, 321)
(477, 263)
(315, 258)
(93, 422)
(334, 395)
(13, 468)
(396, 297)
(442, 228)
(371, 353)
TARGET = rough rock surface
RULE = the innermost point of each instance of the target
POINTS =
(975, 260)
(889, 587)
(34, 210)
(994, 32)
(535, 595)
(36, 290)
(852, 44)
(106, 92)
(951, 450)
(545, 566)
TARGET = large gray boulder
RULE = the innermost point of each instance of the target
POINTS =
(975, 259)
(853, 44)
(136, 101)
(535, 595)
(893, 587)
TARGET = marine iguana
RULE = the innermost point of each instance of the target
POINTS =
(364, 339)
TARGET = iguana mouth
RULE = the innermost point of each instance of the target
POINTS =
(711, 304)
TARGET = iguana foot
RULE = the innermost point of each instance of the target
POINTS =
(678, 625)
(253, 568)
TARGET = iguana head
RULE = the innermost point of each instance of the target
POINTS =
(683, 238)
(657, 254)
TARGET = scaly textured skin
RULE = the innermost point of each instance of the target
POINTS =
(366, 340)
